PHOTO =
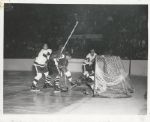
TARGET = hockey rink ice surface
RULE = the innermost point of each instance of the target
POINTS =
(18, 99)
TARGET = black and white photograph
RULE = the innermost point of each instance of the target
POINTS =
(75, 59)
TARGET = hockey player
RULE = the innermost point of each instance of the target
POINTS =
(61, 63)
(88, 64)
(88, 67)
(40, 65)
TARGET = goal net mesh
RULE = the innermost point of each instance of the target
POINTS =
(111, 80)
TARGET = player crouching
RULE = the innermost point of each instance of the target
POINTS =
(40, 65)
(88, 72)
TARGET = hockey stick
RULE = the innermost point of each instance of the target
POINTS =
(69, 36)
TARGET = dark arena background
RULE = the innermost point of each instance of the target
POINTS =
(121, 29)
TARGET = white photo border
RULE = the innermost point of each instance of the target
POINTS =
(64, 118)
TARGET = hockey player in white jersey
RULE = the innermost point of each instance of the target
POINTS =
(40, 65)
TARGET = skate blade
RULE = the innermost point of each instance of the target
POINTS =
(34, 90)
(56, 91)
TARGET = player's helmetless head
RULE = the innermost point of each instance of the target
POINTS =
(45, 46)
(92, 51)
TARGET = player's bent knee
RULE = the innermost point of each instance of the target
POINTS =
(68, 73)
(38, 76)
(46, 74)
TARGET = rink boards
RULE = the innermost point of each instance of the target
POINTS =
(138, 67)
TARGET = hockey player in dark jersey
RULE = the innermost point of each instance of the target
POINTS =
(60, 61)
